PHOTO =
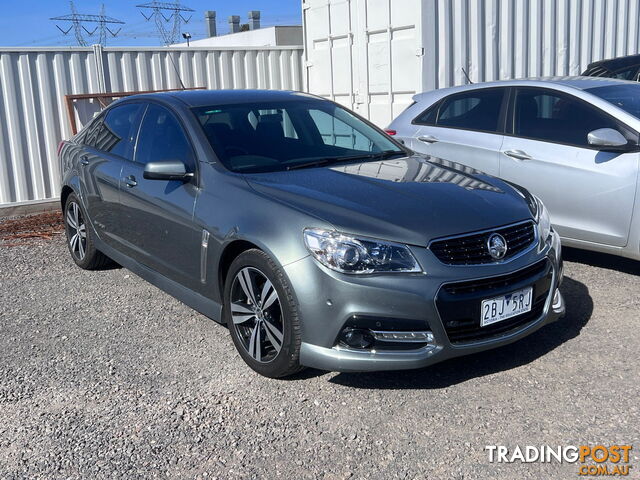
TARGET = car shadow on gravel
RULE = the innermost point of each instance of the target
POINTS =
(601, 260)
(451, 372)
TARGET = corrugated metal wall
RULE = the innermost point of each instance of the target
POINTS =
(373, 55)
(502, 39)
(33, 83)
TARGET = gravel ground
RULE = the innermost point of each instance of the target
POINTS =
(104, 376)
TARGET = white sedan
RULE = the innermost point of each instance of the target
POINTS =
(572, 141)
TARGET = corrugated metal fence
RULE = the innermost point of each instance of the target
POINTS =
(34, 81)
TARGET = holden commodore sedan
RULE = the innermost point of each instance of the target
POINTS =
(572, 141)
(316, 238)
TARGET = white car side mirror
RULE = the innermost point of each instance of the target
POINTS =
(606, 137)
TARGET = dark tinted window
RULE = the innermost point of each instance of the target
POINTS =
(162, 138)
(626, 73)
(475, 110)
(118, 130)
(555, 117)
(271, 136)
(626, 96)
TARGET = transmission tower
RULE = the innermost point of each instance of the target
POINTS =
(78, 20)
(166, 15)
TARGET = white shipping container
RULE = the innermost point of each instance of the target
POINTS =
(374, 55)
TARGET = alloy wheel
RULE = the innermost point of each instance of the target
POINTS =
(257, 314)
(76, 231)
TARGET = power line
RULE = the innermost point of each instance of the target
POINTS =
(77, 21)
(165, 14)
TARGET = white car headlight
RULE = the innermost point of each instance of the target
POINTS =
(347, 254)
(543, 220)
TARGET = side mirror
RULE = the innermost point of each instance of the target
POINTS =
(608, 139)
(168, 170)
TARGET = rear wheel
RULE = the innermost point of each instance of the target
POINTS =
(80, 239)
(261, 314)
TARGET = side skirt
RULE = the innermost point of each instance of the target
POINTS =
(198, 302)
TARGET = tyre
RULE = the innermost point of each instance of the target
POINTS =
(80, 238)
(261, 313)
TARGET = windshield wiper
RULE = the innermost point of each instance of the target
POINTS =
(331, 160)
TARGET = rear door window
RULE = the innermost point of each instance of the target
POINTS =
(117, 131)
(475, 110)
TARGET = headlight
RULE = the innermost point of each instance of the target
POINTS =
(347, 254)
(544, 222)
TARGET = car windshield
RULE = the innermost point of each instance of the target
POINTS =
(283, 135)
(625, 96)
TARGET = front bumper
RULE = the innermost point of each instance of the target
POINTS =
(328, 301)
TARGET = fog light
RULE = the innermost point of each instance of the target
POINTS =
(357, 338)
(389, 336)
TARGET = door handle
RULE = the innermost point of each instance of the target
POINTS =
(84, 160)
(519, 154)
(130, 181)
(428, 139)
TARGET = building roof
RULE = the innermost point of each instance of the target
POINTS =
(277, 35)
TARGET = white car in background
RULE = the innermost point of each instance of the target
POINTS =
(572, 141)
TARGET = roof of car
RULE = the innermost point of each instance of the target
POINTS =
(202, 98)
(584, 83)
(616, 63)
(578, 83)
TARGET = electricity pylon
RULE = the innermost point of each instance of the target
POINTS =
(166, 14)
(78, 20)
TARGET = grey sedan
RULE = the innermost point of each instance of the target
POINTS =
(317, 239)
(571, 141)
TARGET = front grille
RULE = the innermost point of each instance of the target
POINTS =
(459, 304)
(472, 249)
(487, 285)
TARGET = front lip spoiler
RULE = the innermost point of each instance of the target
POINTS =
(347, 360)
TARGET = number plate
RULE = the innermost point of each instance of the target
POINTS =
(506, 306)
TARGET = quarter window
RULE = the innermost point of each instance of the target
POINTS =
(162, 138)
(555, 117)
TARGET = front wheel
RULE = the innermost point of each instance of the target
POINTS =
(80, 238)
(262, 316)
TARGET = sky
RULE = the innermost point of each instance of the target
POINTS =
(26, 23)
